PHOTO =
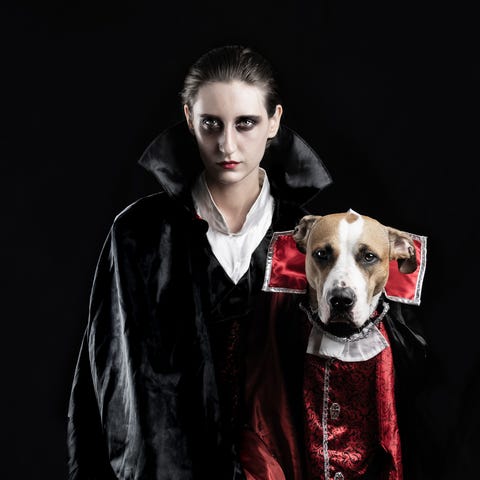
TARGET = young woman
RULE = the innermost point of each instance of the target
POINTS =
(159, 386)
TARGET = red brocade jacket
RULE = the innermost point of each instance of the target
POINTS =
(350, 413)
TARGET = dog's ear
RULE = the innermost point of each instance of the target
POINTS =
(302, 230)
(402, 249)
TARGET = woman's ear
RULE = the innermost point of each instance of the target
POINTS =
(275, 121)
(188, 117)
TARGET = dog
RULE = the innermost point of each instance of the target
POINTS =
(347, 264)
(349, 385)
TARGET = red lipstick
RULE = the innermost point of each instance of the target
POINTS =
(228, 165)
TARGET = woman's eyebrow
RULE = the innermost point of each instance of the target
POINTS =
(240, 117)
(249, 117)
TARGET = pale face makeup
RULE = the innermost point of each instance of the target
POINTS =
(231, 126)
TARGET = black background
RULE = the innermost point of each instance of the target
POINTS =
(386, 92)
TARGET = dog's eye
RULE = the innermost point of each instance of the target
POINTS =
(369, 257)
(322, 254)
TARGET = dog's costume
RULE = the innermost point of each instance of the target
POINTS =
(157, 389)
(350, 410)
(348, 394)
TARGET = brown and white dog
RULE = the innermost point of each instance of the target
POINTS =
(349, 378)
(347, 264)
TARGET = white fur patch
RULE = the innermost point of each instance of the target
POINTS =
(346, 272)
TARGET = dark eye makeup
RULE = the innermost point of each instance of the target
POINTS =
(214, 124)
(211, 124)
(247, 123)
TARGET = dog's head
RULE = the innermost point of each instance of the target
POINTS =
(347, 264)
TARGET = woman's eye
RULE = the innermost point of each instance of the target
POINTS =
(246, 124)
(211, 124)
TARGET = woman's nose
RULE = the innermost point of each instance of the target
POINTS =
(227, 141)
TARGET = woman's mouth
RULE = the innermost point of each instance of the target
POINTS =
(228, 165)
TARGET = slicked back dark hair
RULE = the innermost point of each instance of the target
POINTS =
(229, 63)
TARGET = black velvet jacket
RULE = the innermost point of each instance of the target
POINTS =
(156, 392)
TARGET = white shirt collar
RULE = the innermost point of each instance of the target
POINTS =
(234, 250)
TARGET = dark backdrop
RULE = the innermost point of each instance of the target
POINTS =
(386, 92)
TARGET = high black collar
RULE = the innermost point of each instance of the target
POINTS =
(296, 173)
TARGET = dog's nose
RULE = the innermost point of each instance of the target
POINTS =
(342, 298)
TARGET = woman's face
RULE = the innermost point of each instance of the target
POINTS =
(231, 125)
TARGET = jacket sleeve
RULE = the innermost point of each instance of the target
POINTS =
(102, 411)
(87, 452)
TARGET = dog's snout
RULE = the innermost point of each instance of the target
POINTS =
(342, 299)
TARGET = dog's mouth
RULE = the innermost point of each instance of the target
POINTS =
(341, 327)
(341, 324)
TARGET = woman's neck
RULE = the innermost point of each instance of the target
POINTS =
(236, 199)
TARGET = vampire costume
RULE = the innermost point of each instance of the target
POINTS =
(158, 388)
(169, 382)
